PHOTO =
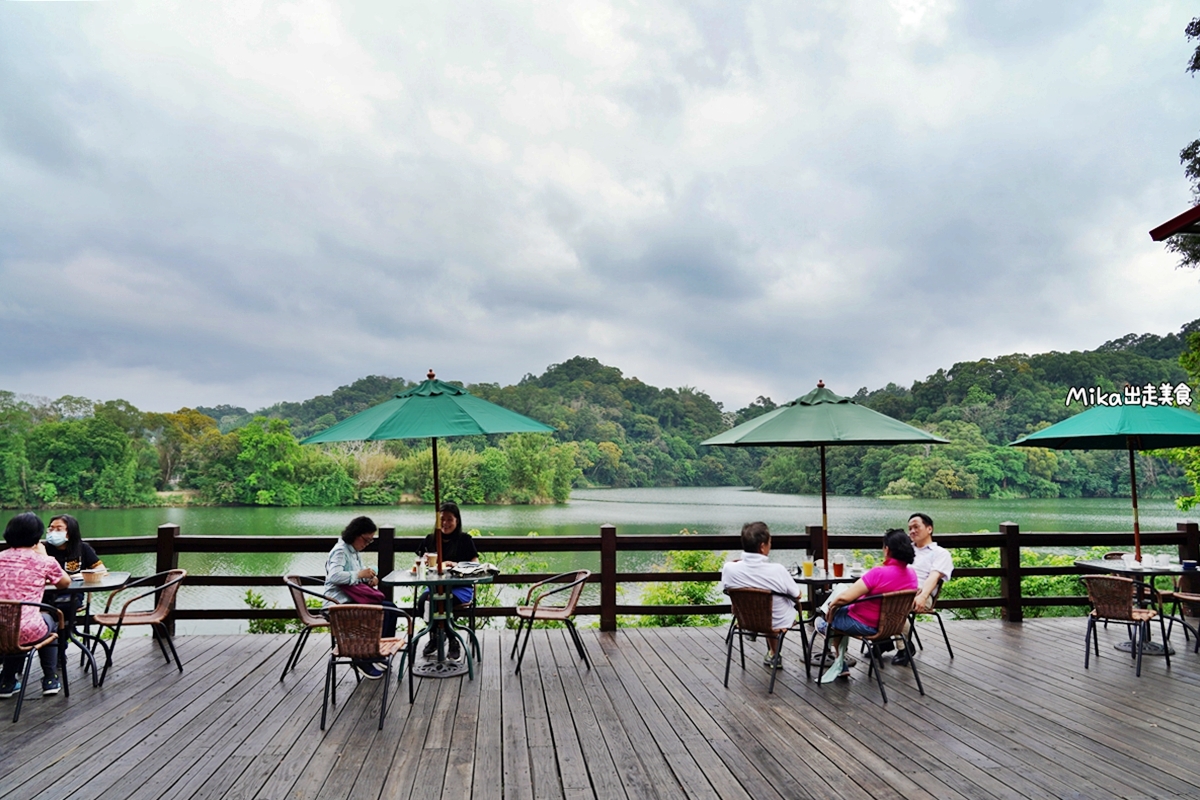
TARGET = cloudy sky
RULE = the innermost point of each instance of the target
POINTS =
(248, 202)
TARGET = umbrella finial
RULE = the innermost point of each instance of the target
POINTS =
(820, 384)
(430, 375)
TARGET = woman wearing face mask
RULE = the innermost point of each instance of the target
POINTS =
(65, 545)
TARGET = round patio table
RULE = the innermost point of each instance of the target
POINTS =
(440, 585)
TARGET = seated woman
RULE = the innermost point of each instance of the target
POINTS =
(344, 569)
(862, 619)
(25, 571)
(66, 546)
(457, 547)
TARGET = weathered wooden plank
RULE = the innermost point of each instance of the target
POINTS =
(487, 767)
(1013, 716)
(516, 772)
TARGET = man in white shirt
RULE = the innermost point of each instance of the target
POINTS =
(933, 565)
(755, 571)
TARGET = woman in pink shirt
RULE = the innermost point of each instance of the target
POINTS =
(25, 571)
(894, 575)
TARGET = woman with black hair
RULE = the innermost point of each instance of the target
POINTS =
(66, 546)
(862, 619)
(25, 571)
(344, 568)
(457, 547)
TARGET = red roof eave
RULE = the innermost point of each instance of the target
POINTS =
(1187, 222)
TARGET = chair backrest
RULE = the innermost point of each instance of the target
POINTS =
(753, 609)
(356, 629)
(300, 599)
(166, 594)
(894, 608)
(10, 627)
(574, 579)
(1111, 595)
(1114, 555)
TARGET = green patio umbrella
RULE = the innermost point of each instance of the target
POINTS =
(432, 409)
(1121, 428)
(822, 419)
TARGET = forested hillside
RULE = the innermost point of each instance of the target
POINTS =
(611, 430)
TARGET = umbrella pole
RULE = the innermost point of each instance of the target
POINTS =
(1137, 530)
(437, 505)
(824, 514)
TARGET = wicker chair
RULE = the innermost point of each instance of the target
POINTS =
(356, 636)
(1111, 597)
(165, 585)
(10, 644)
(536, 609)
(894, 610)
(931, 610)
(308, 619)
(753, 616)
(1180, 598)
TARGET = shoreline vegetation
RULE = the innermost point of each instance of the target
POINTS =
(610, 431)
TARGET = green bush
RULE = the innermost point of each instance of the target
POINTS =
(1031, 586)
(256, 601)
(684, 593)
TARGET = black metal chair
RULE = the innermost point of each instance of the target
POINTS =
(164, 586)
(10, 644)
(930, 610)
(753, 616)
(894, 608)
(308, 619)
(356, 633)
(537, 610)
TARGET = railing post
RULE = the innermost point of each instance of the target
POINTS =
(1190, 549)
(1010, 581)
(167, 558)
(387, 556)
(814, 540)
(608, 577)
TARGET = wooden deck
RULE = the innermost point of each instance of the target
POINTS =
(1014, 715)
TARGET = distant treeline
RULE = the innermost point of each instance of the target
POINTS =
(610, 431)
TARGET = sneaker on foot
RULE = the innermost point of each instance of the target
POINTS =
(773, 662)
(370, 671)
(430, 648)
(9, 688)
(902, 658)
(51, 685)
(454, 651)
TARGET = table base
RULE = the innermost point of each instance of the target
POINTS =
(439, 669)
(1148, 648)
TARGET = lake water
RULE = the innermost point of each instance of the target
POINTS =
(665, 510)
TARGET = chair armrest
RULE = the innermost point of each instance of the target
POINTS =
(564, 587)
(54, 611)
(128, 585)
(310, 592)
(134, 599)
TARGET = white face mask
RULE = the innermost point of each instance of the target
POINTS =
(56, 538)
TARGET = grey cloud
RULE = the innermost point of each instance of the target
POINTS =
(225, 231)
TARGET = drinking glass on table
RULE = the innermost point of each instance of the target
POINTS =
(806, 566)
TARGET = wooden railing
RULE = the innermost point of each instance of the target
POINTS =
(168, 545)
